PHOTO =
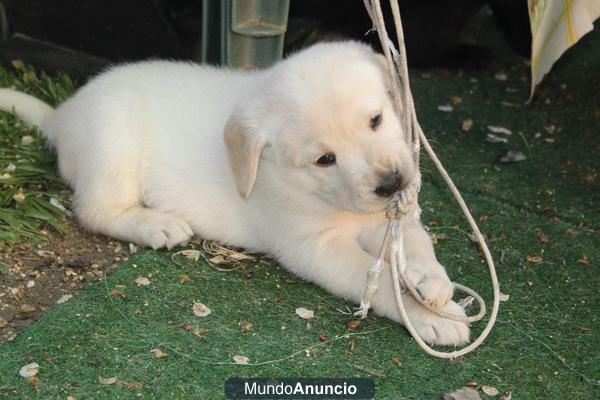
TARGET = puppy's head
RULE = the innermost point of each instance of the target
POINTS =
(321, 124)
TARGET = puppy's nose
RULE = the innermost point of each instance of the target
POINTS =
(389, 184)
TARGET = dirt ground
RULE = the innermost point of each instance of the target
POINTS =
(38, 276)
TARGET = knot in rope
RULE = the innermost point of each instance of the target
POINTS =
(404, 203)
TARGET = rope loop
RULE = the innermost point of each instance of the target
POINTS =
(404, 205)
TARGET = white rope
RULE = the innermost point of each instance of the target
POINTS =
(405, 206)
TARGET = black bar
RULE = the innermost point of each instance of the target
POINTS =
(299, 388)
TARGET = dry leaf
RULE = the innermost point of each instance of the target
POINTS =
(238, 256)
(446, 108)
(184, 279)
(496, 139)
(241, 359)
(186, 327)
(436, 237)
(501, 76)
(246, 326)
(569, 232)
(45, 253)
(288, 280)
(489, 390)
(512, 156)
(200, 310)
(26, 140)
(34, 381)
(223, 254)
(19, 197)
(117, 293)
(57, 204)
(499, 130)
(190, 254)
(158, 353)
(142, 281)
(3, 322)
(26, 308)
(64, 298)
(456, 100)
(504, 296)
(465, 393)
(584, 260)
(323, 338)
(370, 371)
(472, 383)
(584, 329)
(533, 259)
(200, 332)
(397, 361)
(29, 370)
(352, 345)
(305, 313)
(107, 381)
(132, 385)
(18, 293)
(542, 237)
(466, 125)
(218, 260)
(589, 178)
(353, 324)
(507, 397)
(132, 248)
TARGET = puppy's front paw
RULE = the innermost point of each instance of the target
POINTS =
(436, 330)
(437, 290)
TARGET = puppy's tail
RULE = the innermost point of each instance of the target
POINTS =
(30, 109)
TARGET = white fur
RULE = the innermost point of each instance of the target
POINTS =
(142, 146)
(30, 109)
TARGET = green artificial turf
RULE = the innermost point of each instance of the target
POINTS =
(545, 343)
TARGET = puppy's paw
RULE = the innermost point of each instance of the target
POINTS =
(165, 231)
(436, 330)
(437, 290)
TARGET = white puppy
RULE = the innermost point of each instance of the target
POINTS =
(297, 161)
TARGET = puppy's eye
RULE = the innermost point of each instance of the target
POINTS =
(375, 121)
(326, 160)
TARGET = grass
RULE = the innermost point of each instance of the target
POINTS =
(27, 170)
(545, 343)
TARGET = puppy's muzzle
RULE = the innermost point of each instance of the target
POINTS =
(390, 184)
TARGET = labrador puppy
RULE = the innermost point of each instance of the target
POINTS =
(297, 161)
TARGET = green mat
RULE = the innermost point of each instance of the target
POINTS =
(541, 218)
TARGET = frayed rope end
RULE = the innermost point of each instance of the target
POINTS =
(363, 310)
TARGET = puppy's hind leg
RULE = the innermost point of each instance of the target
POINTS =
(113, 207)
(108, 196)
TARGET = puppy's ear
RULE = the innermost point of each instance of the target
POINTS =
(382, 64)
(243, 150)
